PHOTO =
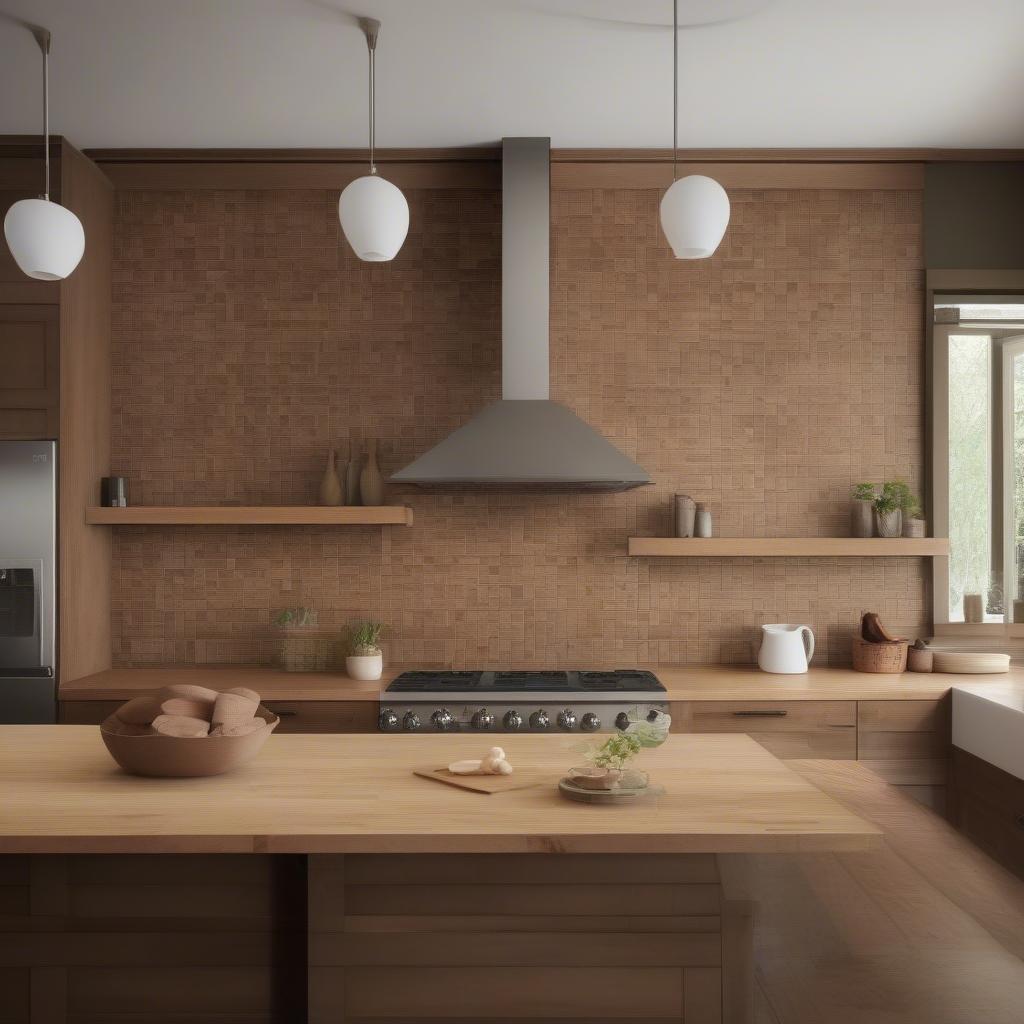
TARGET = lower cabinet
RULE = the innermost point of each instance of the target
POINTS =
(787, 728)
(907, 743)
(86, 712)
(987, 805)
(295, 715)
(325, 715)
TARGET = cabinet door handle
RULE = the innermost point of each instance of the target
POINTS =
(769, 713)
(284, 714)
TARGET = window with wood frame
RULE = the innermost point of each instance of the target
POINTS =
(977, 439)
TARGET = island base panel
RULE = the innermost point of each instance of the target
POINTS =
(525, 937)
(193, 939)
(165, 938)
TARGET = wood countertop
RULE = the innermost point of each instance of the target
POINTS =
(60, 792)
(683, 682)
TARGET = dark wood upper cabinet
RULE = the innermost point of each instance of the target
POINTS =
(29, 371)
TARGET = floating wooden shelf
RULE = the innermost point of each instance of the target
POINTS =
(250, 515)
(785, 547)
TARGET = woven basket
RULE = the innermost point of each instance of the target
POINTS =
(879, 657)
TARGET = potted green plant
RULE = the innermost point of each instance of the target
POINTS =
(301, 648)
(861, 516)
(888, 514)
(365, 660)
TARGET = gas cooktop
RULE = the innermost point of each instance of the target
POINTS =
(481, 684)
(523, 701)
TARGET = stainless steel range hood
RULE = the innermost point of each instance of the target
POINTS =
(525, 441)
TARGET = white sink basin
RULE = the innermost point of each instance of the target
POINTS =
(988, 721)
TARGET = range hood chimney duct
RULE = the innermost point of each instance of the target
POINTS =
(525, 441)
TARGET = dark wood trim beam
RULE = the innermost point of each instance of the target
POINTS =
(480, 167)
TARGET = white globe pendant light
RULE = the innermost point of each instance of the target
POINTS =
(694, 209)
(46, 239)
(374, 214)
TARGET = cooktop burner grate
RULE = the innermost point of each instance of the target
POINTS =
(526, 682)
(424, 682)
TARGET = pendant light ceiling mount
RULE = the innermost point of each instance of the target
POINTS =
(695, 209)
(373, 212)
(371, 29)
(46, 240)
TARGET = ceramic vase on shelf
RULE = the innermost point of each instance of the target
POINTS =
(331, 492)
(371, 483)
(913, 527)
(862, 520)
(702, 522)
(684, 515)
(974, 608)
(352, 475)
(889, 524)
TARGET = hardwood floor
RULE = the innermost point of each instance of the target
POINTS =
(926, 930)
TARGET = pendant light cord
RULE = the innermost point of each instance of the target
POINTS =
(370, 29)
(42, 37)
(373, 112)
(675, 88)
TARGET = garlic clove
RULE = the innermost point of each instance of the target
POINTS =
(496, 754)
(503, 768)
(465, 768)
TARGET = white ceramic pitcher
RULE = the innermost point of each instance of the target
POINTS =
(785, 648)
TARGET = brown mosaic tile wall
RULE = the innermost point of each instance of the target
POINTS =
(764, 381)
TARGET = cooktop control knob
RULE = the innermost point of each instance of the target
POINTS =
(622, 721)
(590, 722)
(652, 715)
(442, 719)
(567, 719)
(539, 719)
(388, 720)
(512, 720)
(483, 719)
(410, 721)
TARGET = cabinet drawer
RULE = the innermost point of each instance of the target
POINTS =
(903, 715)
(787, 728)
(325, 715)
(903, 729)
(86, 712)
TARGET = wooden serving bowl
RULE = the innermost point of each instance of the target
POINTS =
(172, 757)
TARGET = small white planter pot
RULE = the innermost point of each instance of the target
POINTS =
(365, 666)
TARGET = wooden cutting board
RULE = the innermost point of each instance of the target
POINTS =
(486, 783)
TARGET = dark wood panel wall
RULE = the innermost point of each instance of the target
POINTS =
(55, 382)
(85, 409)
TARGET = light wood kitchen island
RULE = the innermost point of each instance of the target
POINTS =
(395, 898)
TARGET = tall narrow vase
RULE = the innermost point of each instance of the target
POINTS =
(371, 483)
(330, 485)
(862, 521)
(352, 475)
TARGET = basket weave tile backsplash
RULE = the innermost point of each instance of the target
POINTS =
(764, 381)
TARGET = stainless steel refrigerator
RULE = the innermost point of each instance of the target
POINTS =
(28, 542)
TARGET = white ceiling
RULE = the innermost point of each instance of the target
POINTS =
(262, 73)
